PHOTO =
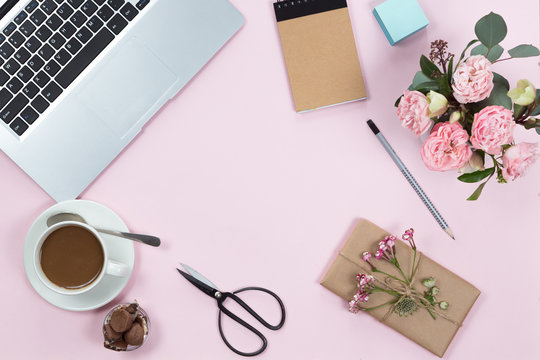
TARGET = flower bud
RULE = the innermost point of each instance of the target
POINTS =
(455, 117)
(437, 104)
(524, 94)
(434, 290)
(475, 163)
(443, 305)
(429, 283)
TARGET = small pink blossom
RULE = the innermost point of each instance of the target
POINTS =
(473, 80)
(518, 158)
(353, 306)
(413, 110)
(493, 127)
(409, 236)
(366, 256)
(446, 147)
(379, 254)
(391, 241)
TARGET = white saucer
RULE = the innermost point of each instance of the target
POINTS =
(120, 250)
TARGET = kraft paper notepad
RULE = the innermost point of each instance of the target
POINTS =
(320, 52)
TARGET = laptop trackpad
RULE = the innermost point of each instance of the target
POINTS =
(126, 86)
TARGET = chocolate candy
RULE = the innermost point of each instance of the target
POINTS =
(125, 326)
(135, 335)
(121, 320)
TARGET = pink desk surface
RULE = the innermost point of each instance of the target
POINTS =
(248, 192)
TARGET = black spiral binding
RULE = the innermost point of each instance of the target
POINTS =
(292, 9)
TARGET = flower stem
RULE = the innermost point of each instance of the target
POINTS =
(391, 292)
(396, 264)
(378, 306)
(392, 276)
(413, 262)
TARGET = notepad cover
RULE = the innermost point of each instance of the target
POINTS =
(320, 53)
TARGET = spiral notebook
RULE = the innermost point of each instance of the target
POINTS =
(320, 53)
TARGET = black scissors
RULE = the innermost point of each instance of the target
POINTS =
(207, 287)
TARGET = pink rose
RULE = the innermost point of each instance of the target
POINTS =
(413, 112)
(518, 158)
(446, 147)
(473, 80)
(493, 127)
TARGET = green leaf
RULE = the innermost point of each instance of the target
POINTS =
(425, 87)
(524, 50)
(444, 86)
(471, 43)
(492, 54)
(491, 29)
(498, 79)
(476, 194)
(477, 175)
(450, 68)
(419, 78)
(519, 111)
(396, 104)
(429, 69)
(498, 96)
(538, 131)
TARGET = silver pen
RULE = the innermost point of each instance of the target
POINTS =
(410, 179)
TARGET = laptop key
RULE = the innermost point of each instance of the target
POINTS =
(22, 55)
(65, 11)
(43, 33)
(75, 3)
(8, 30)
(20, 18)
(68, 30)
(87, 54)
(40, 104)
(30, 90)
(78, 19)
(5, 96)
(31, 6)
(52, 68)
(29, 115)
(48, 6)
(41, 79)
(6, 50)
(27, 28)
(15, 85)
(25, 74)
(32, 44)
(62, 57)
(38, 17)
(105, 13)
(4, 77)
(13, 108)
(116, 4)
(54, 22)
(11, 66)
(99, 2)
(57, 41)
(84, 35)
(142, 4)
(94, 24)
(73, 46)
(46, 52)
(17, 39)
(117, 24)
(36, 63)
(129, 11)
(18, 126)
(89, 8)
(2, 38)
(52, 91)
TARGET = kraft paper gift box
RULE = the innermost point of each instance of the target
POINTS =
(433, 334)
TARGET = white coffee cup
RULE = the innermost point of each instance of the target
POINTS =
(109, 267)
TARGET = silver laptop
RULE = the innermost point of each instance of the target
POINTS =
(80, 78)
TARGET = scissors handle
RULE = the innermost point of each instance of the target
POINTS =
(246, 307)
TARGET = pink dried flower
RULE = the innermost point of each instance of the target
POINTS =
(366, 256)
(353, 306)
(390, 241)
(379, 254)
(409, 236)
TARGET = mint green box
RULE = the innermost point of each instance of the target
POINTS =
(400, 19)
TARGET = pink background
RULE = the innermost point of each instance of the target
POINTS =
(245, 190)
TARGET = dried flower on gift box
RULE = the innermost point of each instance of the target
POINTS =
(471, 110)
(406, 298)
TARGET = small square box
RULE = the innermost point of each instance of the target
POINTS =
(400, 18)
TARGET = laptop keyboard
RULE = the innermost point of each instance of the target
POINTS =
(47, 46)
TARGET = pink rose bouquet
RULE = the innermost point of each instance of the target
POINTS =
(471, 110)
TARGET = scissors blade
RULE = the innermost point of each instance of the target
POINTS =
(198, 276)
(208, 290)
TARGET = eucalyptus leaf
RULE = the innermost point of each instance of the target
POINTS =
(538, 131)
(498, 96)
(477, 175)
(429, 68)
(425, 87)
(476, 194)
(497, 78)
(471, 43)
(419, 78)
(491, 29)
(450, 68)
(536, 111)
(491, 54)
(524, 50)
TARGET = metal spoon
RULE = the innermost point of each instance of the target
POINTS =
(145, 239)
